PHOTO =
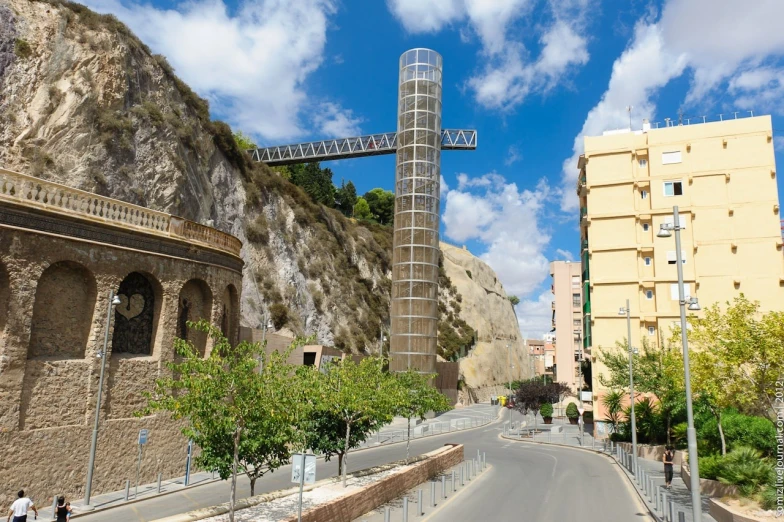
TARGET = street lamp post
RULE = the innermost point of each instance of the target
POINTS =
(666, 230)
(509, 372)
(113, 301)
(627, 312)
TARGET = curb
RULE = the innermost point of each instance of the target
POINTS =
(597, 452)
(79, 514)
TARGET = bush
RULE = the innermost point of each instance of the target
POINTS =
(258, 231)
(768, 498)
(745, 468)
(739, 430)
(710, 466)
(546, 410)
(279, 314)
(571, 411)
(588, 417)
(22, 49)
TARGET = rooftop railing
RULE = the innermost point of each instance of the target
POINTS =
(54, 197)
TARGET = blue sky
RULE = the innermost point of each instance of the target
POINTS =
(532, 76)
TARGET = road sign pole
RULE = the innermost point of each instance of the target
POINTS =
(301, 487)
(138, 469)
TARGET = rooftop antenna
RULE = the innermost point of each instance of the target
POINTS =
(629, 110)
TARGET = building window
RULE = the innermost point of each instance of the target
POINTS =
(647, 261)
(669, 158)
(644, 194)
(673, 188)
(651, 330)
(643, 163)
(672, 259)
(645, 227)
(576, 283)
(649, 294)
(576, 303)
(674, 291)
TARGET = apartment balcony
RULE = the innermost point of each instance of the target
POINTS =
(584, 244)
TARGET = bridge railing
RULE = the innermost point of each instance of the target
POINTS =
(34, 192)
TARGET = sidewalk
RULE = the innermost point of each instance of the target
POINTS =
(563, 433)
(455, 420)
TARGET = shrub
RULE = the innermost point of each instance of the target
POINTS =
(588, 417)
(740, 430)
(279, 314)
(768, 498)
(710, 466)
(745, 468)
(257, 230)
(546, 410)
(571, 411)
(22, 49)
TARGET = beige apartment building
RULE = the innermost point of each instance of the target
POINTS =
(567, 321)
(722, 176)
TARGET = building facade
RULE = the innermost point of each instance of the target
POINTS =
(567, 321)
(722, 176)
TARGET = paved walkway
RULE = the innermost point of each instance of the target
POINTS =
(563, 433)
(455, 420)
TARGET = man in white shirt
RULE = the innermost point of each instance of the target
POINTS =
(20, 507)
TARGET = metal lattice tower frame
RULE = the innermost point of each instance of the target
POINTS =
(418, 143)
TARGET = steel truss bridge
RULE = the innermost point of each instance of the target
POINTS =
(356, 147)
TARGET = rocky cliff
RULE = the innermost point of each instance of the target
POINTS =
(83, 102)
(499, 354)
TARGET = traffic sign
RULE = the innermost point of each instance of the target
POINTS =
(143, 436)
(310, 468)
(581, 410)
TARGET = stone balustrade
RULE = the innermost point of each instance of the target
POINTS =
(54, 197)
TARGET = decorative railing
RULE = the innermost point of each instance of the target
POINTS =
(35, 192)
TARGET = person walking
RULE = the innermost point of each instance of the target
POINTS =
(20, 507)
(63, 510)
(668, 457)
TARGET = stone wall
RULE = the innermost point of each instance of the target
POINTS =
(54, 291)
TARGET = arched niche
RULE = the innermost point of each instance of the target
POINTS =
(136, 317)
(63, 311)
(195, 303)
(229, 313)
(5, 297)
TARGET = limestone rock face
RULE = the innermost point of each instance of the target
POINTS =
(485, 307)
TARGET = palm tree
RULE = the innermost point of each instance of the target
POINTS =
(613, 401)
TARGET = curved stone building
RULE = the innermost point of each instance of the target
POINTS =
(62, 251)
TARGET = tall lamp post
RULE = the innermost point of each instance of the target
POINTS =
(113, 301)
(509, 372)
(627, 312)
(665, 230)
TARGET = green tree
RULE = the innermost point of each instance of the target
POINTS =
(240, 418)
(362, 210)
(657, 370)
(244, 142)
(346, 198)
(315, 181)
(613, 402)
(382, 205)
(415, 397)
(738, 357)
(360, 394)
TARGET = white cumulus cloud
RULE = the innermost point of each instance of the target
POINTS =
(251, 63)
(535, 315)
(725, 45)
(505, 220)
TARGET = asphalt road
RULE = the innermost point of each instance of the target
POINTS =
(527, 482)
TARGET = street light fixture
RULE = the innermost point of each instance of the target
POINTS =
(113, 301)
(509, 372)
(665, 230)
(627, 312)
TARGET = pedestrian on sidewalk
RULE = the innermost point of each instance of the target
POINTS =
(667, 458)
(63, 510)
(20, 507)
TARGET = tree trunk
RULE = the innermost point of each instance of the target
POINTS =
(408, 438)
(345, 458)
(721, 435)
(669, 418)
(234, 474)
(340, 464)
(252, 485)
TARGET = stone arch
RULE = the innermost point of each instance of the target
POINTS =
(5, 297)
(136, 318)
(229, 313)
(195, 303)
(63, 311)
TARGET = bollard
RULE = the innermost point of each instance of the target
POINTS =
(454, 486)
(405, 509)
(443, 486)
(462, 477)
(432, 493)
(593, 441)
(484, 460)
(681, 516)
(420, 511)
(160, 476)
(54, 507)
(127, 488)
(387, 517)
(478, 456)
(670, 510)
(549, 436)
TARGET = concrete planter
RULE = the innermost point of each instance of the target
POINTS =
(573, 420)
(724, 513)
(548, 420)
(711, 488)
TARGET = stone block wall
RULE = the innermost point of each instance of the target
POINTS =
(54, 290)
